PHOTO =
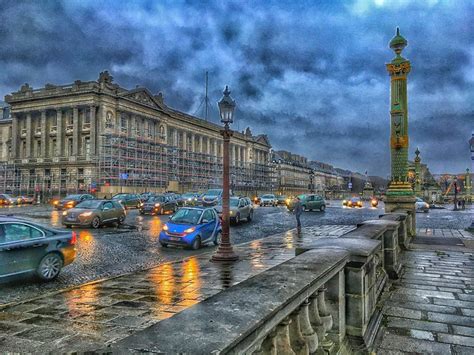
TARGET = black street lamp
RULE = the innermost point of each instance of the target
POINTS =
(225, 252)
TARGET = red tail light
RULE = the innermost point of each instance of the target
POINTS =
(73, 238)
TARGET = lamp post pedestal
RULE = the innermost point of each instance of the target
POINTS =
(225, 252)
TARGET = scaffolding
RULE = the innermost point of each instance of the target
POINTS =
(145, 163)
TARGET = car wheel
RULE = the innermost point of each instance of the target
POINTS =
(164, 245)
(68, 226)
(261, 205)
(95, 222)
(237, 218)
(323, 208)
(217, 238)
(250, 217)
(303, 207)
(196, 244)
(49, 267)
(121, 220)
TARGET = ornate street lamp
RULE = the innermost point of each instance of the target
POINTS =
(225, 252)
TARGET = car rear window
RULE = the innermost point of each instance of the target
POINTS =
(89, 204)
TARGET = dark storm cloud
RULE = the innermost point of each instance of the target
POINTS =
(310, 74)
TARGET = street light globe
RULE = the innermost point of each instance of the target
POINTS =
(226, 107)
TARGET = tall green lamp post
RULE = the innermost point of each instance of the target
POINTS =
(400, 194)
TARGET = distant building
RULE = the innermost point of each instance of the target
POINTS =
(292, 172)
(4, 111)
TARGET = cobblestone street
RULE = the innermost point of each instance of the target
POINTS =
(110, 251)
(91, 316)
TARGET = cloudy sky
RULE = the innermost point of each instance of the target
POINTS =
(310, 74)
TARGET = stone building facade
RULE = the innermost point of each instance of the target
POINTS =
(97, 135)
(292, 173)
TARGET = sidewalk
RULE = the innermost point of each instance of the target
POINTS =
(93, 315)
(430, 309)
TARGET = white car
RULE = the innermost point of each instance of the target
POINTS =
(268, 200)
(421, 206)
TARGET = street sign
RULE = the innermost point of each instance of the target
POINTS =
(124, 176)
(349, 185)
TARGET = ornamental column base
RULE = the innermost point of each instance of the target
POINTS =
(400, 198)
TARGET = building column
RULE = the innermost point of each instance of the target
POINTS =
(14, 141)
(59, 131)
(28, 135)
(184, 143)
(175, 137)
(216, 152)
(93, 133)
(43, 134)
(208, 147)
(75, 129)
(193, 148)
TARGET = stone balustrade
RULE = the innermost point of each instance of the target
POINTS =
(324, 300)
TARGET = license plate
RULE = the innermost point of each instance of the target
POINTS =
(174, 238)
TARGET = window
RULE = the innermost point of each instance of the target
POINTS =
(15, 232)
(69, 146)
(108, 206)
(208, 215)
(38, 148)
(87, 146)
(80, 171)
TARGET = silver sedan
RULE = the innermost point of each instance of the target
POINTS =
(239, 208)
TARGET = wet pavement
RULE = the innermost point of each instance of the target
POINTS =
(430, 309)
(111, 251)
(90, 316)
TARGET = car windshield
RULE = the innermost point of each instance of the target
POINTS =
(186, 216)
(73, 197)
(268, 196)
(8, 196)
(356, 199)
(189, 195)
(213, 192)
(234, 202)
(119, 196)
(302, 197)
(157, 199)
(90, 204)
(419, 200)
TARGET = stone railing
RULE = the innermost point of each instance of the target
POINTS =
(324, 300)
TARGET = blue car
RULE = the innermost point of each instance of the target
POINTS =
(192, 227)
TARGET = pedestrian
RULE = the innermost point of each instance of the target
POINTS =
(298, 210)
(463, 204)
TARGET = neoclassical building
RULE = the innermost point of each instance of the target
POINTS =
(96, 135)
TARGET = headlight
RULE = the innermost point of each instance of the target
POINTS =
(64, 213)
(165, 227)
(231, 213)
(140, 204)
(86, 214)
(157, 205)
(190, 230)
(427, 206)
(189, 199)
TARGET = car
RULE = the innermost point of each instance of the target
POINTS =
(344, 202)
(268, 200)
(28, 247)
(212, 197)
(281, 199)
(71, 200)
(192, 227)
(145, 196)
(374, 202)
(256, 200)
(158, 204)
(94, 213)
(25, 200)
(128, 200)
(309, 202)
(355, 202)
(239, 208)
(190, 198)
(421, 206)
(8, 200)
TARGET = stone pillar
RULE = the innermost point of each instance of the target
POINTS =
(14, 146)
(29, 133)
(60, 132)
(175, 137)
(468, 185)
(201, 147)
(44, 133)
(400, 195)
(216, 153)
(184, 143)
(93, 140)
(193, 142)
(208, 147)
(75, 129)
